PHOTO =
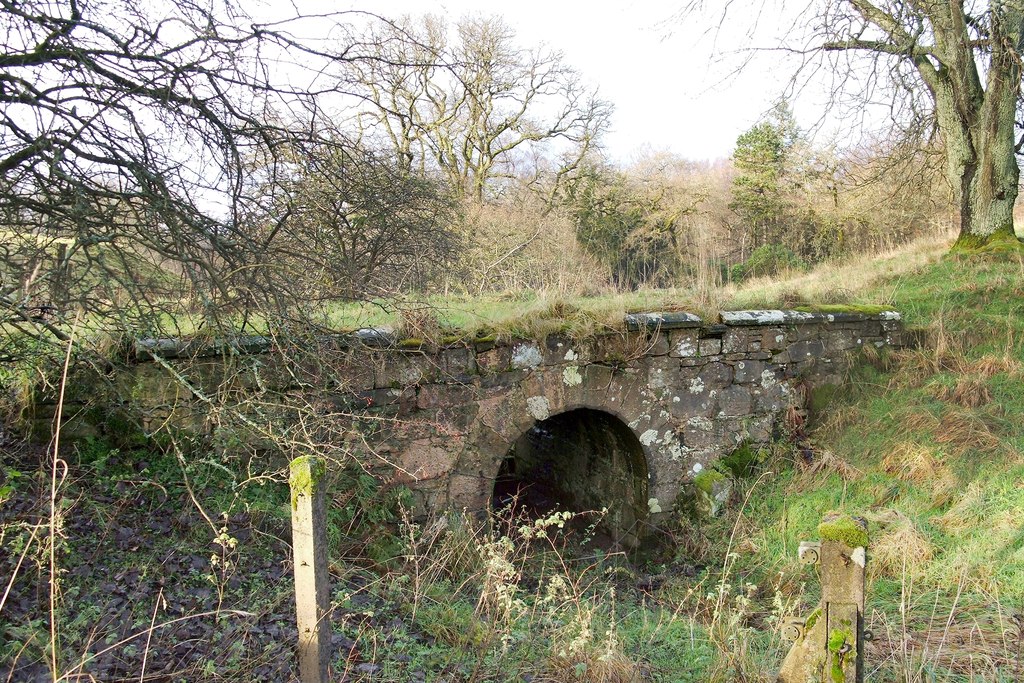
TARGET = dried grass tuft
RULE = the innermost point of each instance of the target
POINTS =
(968, 514)
(611, 667)
(919, 464)
(912, 462)
(970, 391)
(989, 366)
(825, 462)
(965, 431)
(900, 549)
(962, 649)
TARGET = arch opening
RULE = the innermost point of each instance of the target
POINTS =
(579, 460)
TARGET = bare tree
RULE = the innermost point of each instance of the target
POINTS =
(137, 143)
(955, 68)
(475, 105)
(352, 224)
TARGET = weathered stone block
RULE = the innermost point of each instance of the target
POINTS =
(709, 347)
(617, 348)
(658, 344)
(771, 397)
(423, 460)
(872, 328)
(712, 376)
(683, 343)
(705, 433)
(498, 359)
(735, 401)
(457, 419)
(561, 350)
(469, 492)
(459, 364)
(503, 380)
(806, 350)
(406, 369)
(443, 395)
(662, 372)
(747, 371)
(735, 340)
(685, 405)
(371, 398)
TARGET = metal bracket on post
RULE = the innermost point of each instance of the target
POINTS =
(828, 645)
(809, 552)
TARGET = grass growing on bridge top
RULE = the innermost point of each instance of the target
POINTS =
(536, 314)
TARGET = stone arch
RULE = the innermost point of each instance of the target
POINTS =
(580, 459)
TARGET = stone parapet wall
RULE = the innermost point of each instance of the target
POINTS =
(443, 419)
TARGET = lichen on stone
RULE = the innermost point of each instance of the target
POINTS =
(844, 529)
(538, 407)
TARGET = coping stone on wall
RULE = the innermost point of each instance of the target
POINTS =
(381, 337)
(780, 317)
(661, 321)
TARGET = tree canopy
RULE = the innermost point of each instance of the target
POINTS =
(468, 101)
(951, 71)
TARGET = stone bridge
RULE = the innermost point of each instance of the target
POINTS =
(618, 421)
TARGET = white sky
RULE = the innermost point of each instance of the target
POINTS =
(656, 69)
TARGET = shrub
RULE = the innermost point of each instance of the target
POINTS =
(768, 260)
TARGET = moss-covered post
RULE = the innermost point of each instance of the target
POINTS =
(829, 644)
(312, 586)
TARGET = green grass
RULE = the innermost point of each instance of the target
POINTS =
(928, 445)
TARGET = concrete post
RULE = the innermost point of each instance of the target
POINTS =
(312, 583)
(829, 643)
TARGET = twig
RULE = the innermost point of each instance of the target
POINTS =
(100, 653)
(57, 463)
(149, 634)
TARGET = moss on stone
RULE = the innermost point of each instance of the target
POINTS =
(812, 619)
(410, 343)
(837, 640)
(844, 529)
(706, 479)
(741, 462)
(863, 309)
(820, 397)
(999, 242)
(305, 472)
(485, 342)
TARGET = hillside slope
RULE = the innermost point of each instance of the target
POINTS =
(928, 444)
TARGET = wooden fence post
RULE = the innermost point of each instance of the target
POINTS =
(828, 645)
(312, 583)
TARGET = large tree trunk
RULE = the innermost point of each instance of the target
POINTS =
(976, 120)
(980, 130)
